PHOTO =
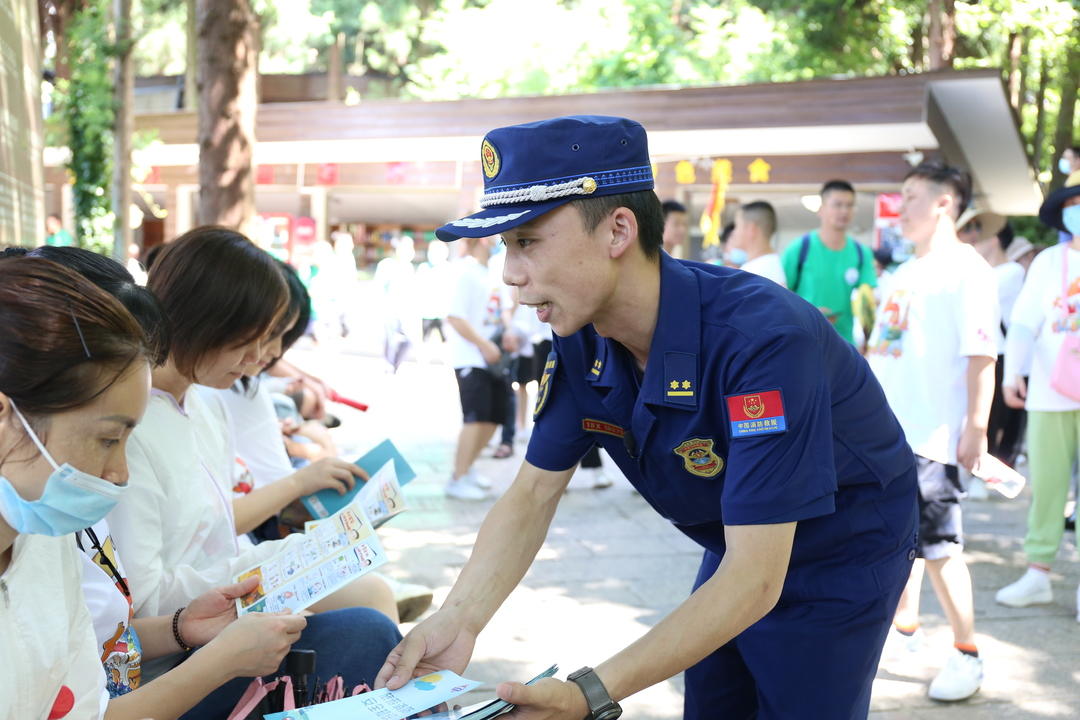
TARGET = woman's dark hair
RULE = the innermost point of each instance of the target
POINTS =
(65, 341)
(218, 291)
(299, 307)
(113, 278)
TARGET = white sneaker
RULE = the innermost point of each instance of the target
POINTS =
(589, 479)
(903, 651)
(478, 480)
(1033, 588)
(959, 679)
(464, 488)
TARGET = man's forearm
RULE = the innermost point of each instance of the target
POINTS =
(980, 391)
(506, 545)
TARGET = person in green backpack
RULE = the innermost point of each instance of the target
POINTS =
(826, 265)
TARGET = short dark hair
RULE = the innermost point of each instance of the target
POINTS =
(670, 206)
(838, 185)
(1006, 235)
(726, 232)
(113, 278)
(957, 180)
(65, 340)
(761, 214)
(218, 290)
(299, 306)
(645, 206)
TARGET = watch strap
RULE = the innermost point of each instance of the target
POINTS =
(596, 695)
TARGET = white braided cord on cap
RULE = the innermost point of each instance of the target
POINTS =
(539, 193)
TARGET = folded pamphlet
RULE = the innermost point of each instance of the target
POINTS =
(327, 502)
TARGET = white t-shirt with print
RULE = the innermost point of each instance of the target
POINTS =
(48, 651)
(110, 609)
(257, 432)
(767, 266)
(477, 301)
(938, 311)
(1041, 310)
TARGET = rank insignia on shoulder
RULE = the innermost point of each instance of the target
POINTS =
(699, 458)
(760, 413)
(544, 392)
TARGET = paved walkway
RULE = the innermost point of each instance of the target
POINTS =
(612, 568)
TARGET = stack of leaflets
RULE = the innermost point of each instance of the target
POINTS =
(421, 694)
(327, 502)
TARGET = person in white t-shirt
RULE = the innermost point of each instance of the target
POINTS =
(933, 350)
(990, 234)
(475, 316)
(1045, 321)
(74, 376)
(750, 246)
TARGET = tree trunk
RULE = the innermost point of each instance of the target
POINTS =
(1063, 138)
(942, 33)
(123, 95)
(191, 63)
(1040, 114)
(1015, 54)
(228, 56)
(335, 80)
(918, 49)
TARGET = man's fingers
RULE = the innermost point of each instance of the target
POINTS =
(516, 693)
(241, 588)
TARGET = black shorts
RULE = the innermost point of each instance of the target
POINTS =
(941, 527)
(484, 396)
(523, 370)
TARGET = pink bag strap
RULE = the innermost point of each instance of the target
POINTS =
(256, 691)
(335, 689)
(361, 688)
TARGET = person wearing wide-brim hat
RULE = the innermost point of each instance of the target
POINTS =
(976, 224)
(1045, 318)
(734, 408)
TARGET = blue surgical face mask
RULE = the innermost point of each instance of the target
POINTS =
(736, 256)
(1070, 218)
(1064, 165)
(72, 501)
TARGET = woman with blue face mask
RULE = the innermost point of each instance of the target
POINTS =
(74, 381)
(1039, 367)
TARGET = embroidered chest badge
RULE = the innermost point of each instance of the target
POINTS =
(546, 379)
(699, 458)
(760, 413)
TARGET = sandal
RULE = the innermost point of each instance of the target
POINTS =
(503, 451)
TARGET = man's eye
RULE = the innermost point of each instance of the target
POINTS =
(110, 442)
(524, 242)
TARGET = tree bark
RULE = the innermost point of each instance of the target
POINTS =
(1040, 114)
(1063, 138)
(1015, 78)
(942, 33)
(335, 80)
(123, 95)
(228, 57)
(191, 63)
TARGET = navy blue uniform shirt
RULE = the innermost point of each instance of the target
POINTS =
(751, 410)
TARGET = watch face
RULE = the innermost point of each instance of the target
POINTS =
(609, 714)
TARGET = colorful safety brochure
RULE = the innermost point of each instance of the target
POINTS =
(489, 709)
(340, 549)
(327, 502)
(380, 498)
(419, 695)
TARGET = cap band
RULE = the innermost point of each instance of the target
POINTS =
(585, 185)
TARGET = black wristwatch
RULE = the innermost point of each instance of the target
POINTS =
(601, 706)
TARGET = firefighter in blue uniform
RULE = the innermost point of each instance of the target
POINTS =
(731, 405)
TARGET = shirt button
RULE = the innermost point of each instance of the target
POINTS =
(911, 554)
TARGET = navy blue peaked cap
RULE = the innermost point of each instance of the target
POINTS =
(534, 168)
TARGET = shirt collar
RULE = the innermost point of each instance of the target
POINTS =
(676, 342)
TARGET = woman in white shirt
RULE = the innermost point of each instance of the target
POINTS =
(73, 383)
(179, 526)
(1046, 317)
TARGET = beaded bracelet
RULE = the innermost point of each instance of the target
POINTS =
(176, 631)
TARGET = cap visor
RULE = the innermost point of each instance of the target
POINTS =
(495, 220)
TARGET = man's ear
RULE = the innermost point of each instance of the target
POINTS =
(624, 231)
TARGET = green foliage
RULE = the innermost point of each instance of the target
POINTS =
(86, 105)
